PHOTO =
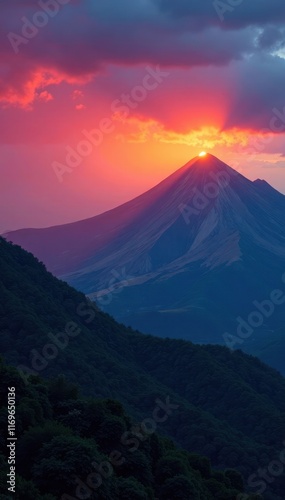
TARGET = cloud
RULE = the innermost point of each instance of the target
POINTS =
(80, 107)
(174, 34)
(45, 96)
(222, 74)
(143, 131)
(244, 13)
(259, 89)
(22, 85)
(77, 94)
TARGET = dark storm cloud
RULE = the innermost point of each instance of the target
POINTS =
(126, 31)
(272, 38)
(259, 91)
(237, 13)
(86, 36)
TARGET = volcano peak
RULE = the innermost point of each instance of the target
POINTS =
(204, 157)
(208, 163)
(181, 220)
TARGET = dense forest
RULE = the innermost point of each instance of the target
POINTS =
(72, 447)
(228, 407)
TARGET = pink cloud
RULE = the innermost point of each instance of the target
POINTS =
(45, 96)
(80, 107)
(77, 94)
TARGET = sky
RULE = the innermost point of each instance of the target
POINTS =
(100, 100)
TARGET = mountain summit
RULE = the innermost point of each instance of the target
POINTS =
(64, 248)
(184, 259)
(200, 213)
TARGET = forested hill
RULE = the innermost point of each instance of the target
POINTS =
(226, 406)
(71, 447)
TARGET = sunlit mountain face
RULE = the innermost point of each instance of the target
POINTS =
(184, 260)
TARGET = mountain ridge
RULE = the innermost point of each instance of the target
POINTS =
(164, 261)
(29, 237)
(211, 385)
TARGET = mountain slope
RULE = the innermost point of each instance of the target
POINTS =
(184, 260)
(206, 195)
(59, 442)
(48, 328)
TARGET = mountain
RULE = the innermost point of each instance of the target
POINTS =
(47, 328)
(194, 258)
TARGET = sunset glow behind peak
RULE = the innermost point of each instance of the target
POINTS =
(94, 115)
